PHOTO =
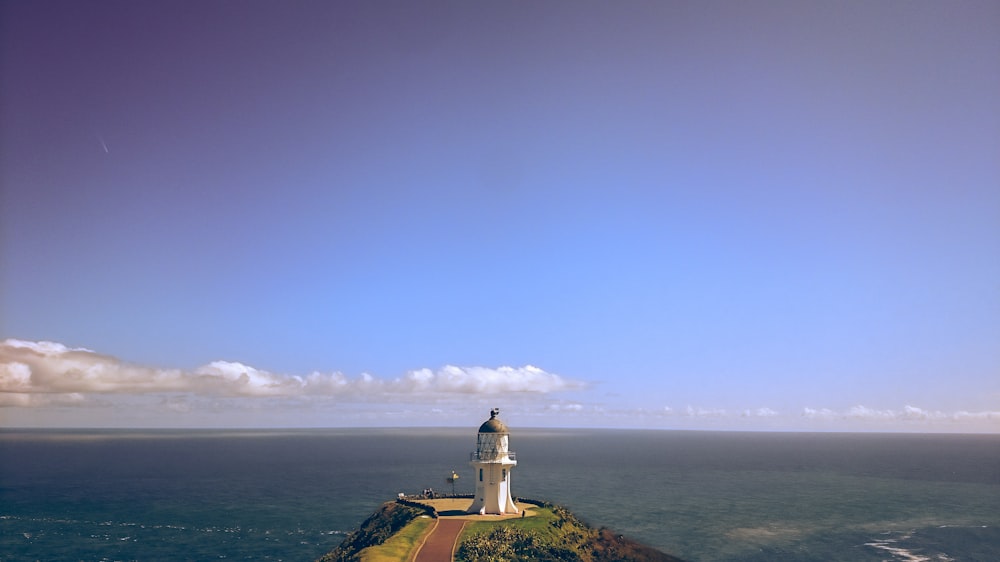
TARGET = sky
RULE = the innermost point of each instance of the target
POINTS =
(680, 215)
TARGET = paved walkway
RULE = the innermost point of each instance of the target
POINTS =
(456, 508)
(440, 545)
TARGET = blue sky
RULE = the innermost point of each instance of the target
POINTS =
(764, 215)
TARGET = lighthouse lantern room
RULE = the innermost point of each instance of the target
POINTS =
(493, 463)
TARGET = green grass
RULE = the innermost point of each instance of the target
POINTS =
(540, 523)
(553, 533)
(401, 545)
(547, 526)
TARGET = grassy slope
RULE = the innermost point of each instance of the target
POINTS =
(401, 545)
(384, 524)
(552, 534)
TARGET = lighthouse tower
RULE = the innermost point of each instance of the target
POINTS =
(493, 462)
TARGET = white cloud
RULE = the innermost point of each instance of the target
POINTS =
(704, 412)
(823, 413)
(228, 377)
(43, 347)
(862, 412)
(860, 417)
(15, 376)
(760, 413)
(34, 373)
(80, 382)
(565, 407)
(908, 413)
(914, 413)
(27, 400)
(484, 380)
(981, 416)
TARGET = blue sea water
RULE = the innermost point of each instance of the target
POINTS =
(293, 495)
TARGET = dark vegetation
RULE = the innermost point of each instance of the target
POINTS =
(375, 530)
(554, 535)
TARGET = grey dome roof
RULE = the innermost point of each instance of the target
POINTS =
(493, 425)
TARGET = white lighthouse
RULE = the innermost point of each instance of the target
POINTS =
(493, 463)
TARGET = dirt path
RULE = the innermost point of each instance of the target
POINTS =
(440, 545)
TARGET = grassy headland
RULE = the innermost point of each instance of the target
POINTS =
(552, 533)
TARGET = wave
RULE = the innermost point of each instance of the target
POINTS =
(911, 552)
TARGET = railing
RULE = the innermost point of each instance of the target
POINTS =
(492, 455)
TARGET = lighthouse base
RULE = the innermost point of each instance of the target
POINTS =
(493, 489)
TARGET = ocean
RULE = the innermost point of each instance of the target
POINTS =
(294, 494)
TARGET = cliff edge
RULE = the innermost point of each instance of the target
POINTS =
(391, 518)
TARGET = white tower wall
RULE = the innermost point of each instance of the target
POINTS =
(493, 463)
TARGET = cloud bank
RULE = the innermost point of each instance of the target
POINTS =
(857, 418)
(50, 384)
(907, 414)
(48, 373)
